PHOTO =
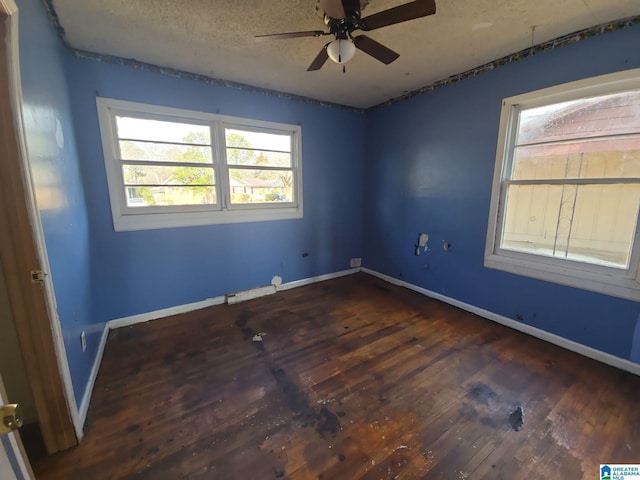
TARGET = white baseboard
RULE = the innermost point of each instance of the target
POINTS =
(88, 391)
(244, 295)
(319, 278)
(165, 312)
(576, 347)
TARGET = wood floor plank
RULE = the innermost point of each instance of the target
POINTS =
(353, 379)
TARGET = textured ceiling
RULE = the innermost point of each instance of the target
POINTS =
(215, 38)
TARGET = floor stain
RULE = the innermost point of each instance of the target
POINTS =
(516, 419)
(296, 398)
(248, 332)
(482, 393)
(325, 421)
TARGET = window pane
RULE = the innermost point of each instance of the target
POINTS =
(614, 114)
(173, 175)
(257, 140)
(260, 186)
(238, 156)
(170, 195)
(163, 152)
(161, 131)
(587, 223)
(594, 158)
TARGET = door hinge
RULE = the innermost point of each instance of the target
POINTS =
(37, 276)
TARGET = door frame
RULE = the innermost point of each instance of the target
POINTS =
(23, 250)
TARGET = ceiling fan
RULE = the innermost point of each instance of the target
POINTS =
(343, 17)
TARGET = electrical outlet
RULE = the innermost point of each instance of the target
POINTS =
(83, 341)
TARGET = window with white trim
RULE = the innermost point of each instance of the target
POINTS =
(566, 192)
(170, 167)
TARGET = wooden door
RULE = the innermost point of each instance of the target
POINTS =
(23, 259)
(14, 464)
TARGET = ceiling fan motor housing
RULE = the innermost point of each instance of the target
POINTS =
(341, 28)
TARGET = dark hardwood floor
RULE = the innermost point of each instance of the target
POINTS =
(353, 379)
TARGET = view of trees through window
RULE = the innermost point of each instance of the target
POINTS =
(171, 183)
(574, 187)
(167, 163)
(260, 168)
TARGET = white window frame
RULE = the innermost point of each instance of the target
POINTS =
(127, 218)
(607, 280)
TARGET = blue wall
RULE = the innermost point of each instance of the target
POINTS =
(142, 271)
(430, 167)
(58, 184)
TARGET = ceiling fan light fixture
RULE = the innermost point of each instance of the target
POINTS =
(341, 51)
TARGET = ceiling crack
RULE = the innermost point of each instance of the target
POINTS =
(586, 4)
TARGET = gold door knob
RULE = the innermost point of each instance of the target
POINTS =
(10, 419)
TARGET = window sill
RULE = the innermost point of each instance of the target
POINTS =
(617, 286)
(151, 221)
